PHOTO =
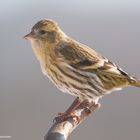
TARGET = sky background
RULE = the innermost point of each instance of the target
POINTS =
(29, 101)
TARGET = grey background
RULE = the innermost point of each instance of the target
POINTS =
(29, 101)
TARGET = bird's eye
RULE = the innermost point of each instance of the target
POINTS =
(42, 32)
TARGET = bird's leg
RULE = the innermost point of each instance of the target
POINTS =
(89, 107)
(85, 108)
(70, 111)
(74, 105)
(87, 104)
(77, 107)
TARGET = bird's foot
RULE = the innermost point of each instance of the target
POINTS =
(66, 115)
(92, 107)
(74, 112)
(89, 107)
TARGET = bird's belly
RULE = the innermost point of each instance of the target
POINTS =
(57, 80)
(67, 81)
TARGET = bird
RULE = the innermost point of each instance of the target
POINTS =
(73, 67)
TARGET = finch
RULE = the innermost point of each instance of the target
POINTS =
(73, 67)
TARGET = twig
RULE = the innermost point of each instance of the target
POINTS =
(61, 129)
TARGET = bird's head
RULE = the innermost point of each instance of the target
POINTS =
(44, 30)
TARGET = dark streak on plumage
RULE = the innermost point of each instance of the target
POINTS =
(69, 75)
(95, 87)
(92, 74)
(84, 90)
(85, 62)
(69, 53)
(58, 78)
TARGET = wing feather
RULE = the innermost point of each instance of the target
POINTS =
(84, 58)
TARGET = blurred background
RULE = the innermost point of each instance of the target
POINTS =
(29, 101)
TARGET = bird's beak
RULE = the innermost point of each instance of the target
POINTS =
(30, 36)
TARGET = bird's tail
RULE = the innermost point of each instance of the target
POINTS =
(135, 82)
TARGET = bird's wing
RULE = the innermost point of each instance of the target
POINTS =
(83, 58)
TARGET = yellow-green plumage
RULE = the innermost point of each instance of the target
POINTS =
(73, 67)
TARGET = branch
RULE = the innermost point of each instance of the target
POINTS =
(62, 128)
